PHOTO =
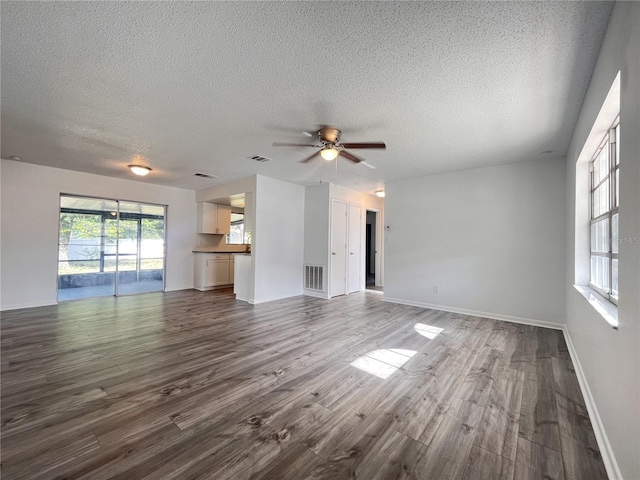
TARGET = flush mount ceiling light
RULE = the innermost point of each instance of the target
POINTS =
(380, 193)
(140, 170)
(329, 153)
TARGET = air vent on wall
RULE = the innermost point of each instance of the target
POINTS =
(260, 158)
(314, 277)
(204, 175)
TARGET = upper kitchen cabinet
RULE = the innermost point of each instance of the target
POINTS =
(213, 218)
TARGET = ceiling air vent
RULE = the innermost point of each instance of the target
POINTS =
(260, 158)
(204, 175)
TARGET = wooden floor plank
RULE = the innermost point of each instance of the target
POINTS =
(478, 382)
(448, 453)
(350, 450)
(580, 452)
(498, 432)
(47, 457)
(396, 457)
(198, 385)
(484, 465)
(535, 462)
(539, 413)
(295, 461)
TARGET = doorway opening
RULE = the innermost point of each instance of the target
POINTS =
(109, 247)
(372, 256)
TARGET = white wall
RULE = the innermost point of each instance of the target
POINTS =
(316, 227)
(610, 359)
(242, 185)
(278, 243)
(491, 239)
(30, 212)
(358, 198)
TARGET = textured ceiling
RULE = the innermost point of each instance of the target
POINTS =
(199, 87)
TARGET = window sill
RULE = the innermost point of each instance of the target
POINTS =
(606, 309)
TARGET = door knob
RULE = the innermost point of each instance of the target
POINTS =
(333, 253)
(350, 253)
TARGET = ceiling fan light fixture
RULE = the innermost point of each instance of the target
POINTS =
(380, 193)
(329, 153)
(140, 170)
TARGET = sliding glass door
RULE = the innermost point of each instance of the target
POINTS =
(140, 248)
(109, 247)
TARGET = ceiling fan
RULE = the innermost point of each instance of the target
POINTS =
(329, 146)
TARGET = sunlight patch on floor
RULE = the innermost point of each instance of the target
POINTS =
(383, 363)
(428, 331)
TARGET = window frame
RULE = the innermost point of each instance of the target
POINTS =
(237, 222)
(610, 141)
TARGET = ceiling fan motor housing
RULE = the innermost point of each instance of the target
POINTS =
(329, 135)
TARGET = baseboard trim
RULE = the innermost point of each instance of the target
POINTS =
(311, 293)
(248, 300)
(208, 289)
(179, 289)
(31, 305)
(606, 451)
(254, 302)
(476, 313)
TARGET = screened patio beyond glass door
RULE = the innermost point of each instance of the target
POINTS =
(109, 247)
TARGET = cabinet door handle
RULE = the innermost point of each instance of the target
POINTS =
(350, 253)
(333, 253)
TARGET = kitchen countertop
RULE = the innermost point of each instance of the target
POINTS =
(210, 250)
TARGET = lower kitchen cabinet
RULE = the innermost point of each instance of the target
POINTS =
(212, 270)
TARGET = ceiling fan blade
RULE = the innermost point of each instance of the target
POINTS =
(310, 157)
(281, 144)
(367, 165)
(350, 156)
(365, 145)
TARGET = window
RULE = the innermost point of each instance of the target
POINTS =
(604, 200)
(236, 234)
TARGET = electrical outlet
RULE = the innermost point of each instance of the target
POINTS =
(436, 289)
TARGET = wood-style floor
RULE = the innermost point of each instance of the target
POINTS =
(188, 385)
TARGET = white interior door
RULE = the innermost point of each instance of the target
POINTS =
(355, 248)
(338, 248)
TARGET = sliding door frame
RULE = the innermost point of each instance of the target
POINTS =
(117, 254)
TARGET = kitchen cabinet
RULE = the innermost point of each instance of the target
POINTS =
(213, 218)
(212, 270)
